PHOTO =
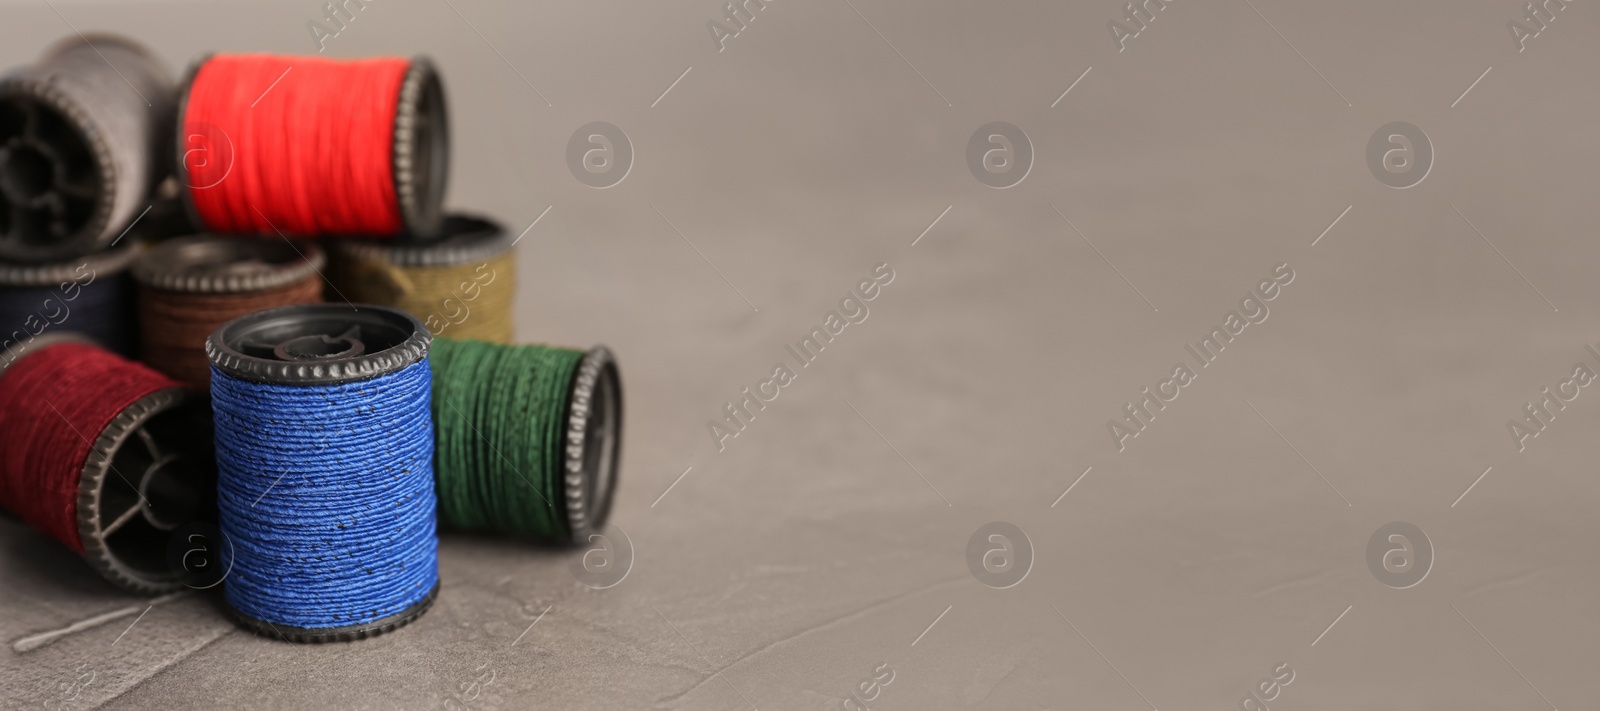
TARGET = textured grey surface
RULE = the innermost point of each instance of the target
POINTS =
(783, 571)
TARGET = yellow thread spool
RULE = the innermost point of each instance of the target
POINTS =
(460, 285)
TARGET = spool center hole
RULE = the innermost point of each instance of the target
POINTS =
(169, 489)
(319, 347)
(26, 172)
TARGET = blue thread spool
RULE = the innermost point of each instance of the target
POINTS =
(325, 470)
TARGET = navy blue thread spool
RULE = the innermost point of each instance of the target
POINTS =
(91, 295)
(325, 470)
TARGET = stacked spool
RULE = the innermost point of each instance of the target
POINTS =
(335, 444)
(91, 295)
(190, 286)
(461, 284)
(105, 456)
(324, 434)
(83, 138)
(341, 147)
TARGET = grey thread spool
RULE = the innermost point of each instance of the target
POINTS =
(84, 137)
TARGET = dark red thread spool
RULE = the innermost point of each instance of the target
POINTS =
(310, 146)
(104, 455)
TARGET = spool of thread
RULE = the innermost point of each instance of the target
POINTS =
(335, 147)
(528, 438)
(104, 455)
(84, 139)
(92, 295)
(190, 286)
(461, 284)
(325, 470)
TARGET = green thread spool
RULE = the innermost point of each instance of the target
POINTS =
(527, 438)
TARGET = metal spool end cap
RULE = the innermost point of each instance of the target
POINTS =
(347, 633)
(206, 264)
(462, 239)
(592, 443)
(14, 275)
(318, 344)
(421, 152)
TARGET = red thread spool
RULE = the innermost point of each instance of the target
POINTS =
(104, 455)
(310, 146)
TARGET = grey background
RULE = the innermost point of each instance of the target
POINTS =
(784, 570)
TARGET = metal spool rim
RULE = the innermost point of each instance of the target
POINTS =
(462, 239)
(85, 237)
(347, 633)
(197, 264)
(400, 342)
(591, 444)
(98, 547)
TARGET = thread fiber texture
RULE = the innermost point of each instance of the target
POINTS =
(499, 412)
(463, 301)
(101, 309)
(174, 325)
(326, 495)
(311, 155)
(54, 403)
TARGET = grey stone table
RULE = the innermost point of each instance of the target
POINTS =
(1171, 162)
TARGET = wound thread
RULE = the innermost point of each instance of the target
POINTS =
(461, 300)
(189, 287)
(90, 295)
(460, 285)
(325, 470)
(346, 536)
(525, 443)
(44, 452)
(174, 324)
(313, 146)
(101, 454)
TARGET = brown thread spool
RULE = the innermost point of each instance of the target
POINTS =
(188, 287)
